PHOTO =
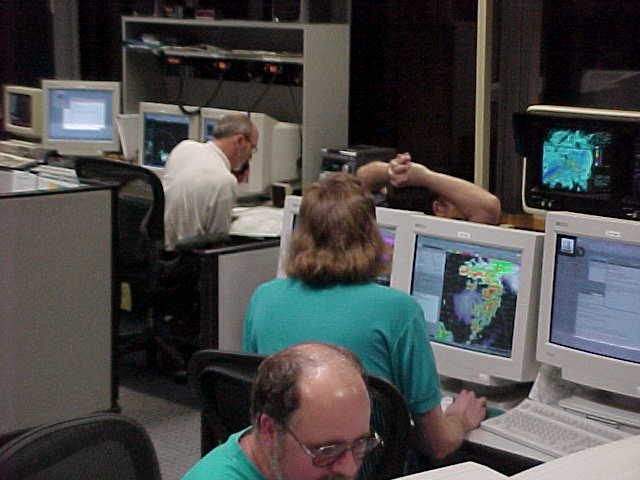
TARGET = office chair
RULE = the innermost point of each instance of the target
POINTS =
(104, 446)
(222, 381)
(142, 264)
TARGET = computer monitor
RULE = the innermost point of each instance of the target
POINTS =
(394, 225)
(576, 159)
(478, 286)
(162, 127)
(80, 116)
(23, 111)
(589, 323)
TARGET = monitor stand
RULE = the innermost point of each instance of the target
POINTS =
(503, 397)
(607, 407)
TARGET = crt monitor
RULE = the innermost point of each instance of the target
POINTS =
(80, 116)
(577, 159)
(277, 154)
(478, 286)
(23, 111)
(590, 301)
(394, 225)
(162, 127)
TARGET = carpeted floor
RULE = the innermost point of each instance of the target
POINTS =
(168, 411)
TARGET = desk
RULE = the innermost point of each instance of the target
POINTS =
(229, 273)
(57, 305)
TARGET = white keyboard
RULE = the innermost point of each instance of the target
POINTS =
(17, 162)
(550, 429)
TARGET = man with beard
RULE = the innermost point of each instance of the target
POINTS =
(310, 411)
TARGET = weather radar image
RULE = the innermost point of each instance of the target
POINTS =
(574, 160)
(468, 293)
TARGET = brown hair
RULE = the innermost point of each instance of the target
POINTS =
(275, 389)
(337, 240)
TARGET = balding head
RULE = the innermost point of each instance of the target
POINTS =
(301, 371)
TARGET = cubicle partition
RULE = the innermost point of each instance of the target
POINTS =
(56, 308)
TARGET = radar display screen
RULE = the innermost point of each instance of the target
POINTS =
(468, 293)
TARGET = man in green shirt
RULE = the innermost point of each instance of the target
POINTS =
(310, 411)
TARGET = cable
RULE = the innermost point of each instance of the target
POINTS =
(262, 95)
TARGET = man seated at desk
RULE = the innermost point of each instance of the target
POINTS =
(412, 186)
(310, 411)
(201, 178)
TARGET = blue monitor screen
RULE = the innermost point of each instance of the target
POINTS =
(81, 115)
(596, 297)
(162, 132)
(207, 129)
(576, 160)
(468, 293)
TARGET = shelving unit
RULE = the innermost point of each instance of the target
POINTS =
(318, 99)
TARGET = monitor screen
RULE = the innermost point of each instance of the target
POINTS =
(389, 237)
(577, 160)
(162, 127)
(477, 285)
(586, 161)
(23, 111)
(590, 301)
(468, 293)
(162, 132)
(20, 110)
(80, 116)
(208, 126)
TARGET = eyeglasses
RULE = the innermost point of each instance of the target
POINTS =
(254, 148)
(327, 455)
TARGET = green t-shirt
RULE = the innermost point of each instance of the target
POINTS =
(225, 462)
(384, 327)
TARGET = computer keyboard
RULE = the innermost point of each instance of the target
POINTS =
(8, 160)
(550, 429)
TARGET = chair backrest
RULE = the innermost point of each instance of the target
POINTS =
(222, 382)
(103, 446)
(140, 211)
(391, 419)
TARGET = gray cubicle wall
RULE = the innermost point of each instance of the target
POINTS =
(55, 311)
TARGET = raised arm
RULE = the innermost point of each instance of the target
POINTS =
(473, 202)
(374, 175)
(441, 433)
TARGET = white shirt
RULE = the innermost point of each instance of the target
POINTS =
(200, 192)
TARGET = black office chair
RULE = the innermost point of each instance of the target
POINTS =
(222, 381)
(142, 263)
(103, 446)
